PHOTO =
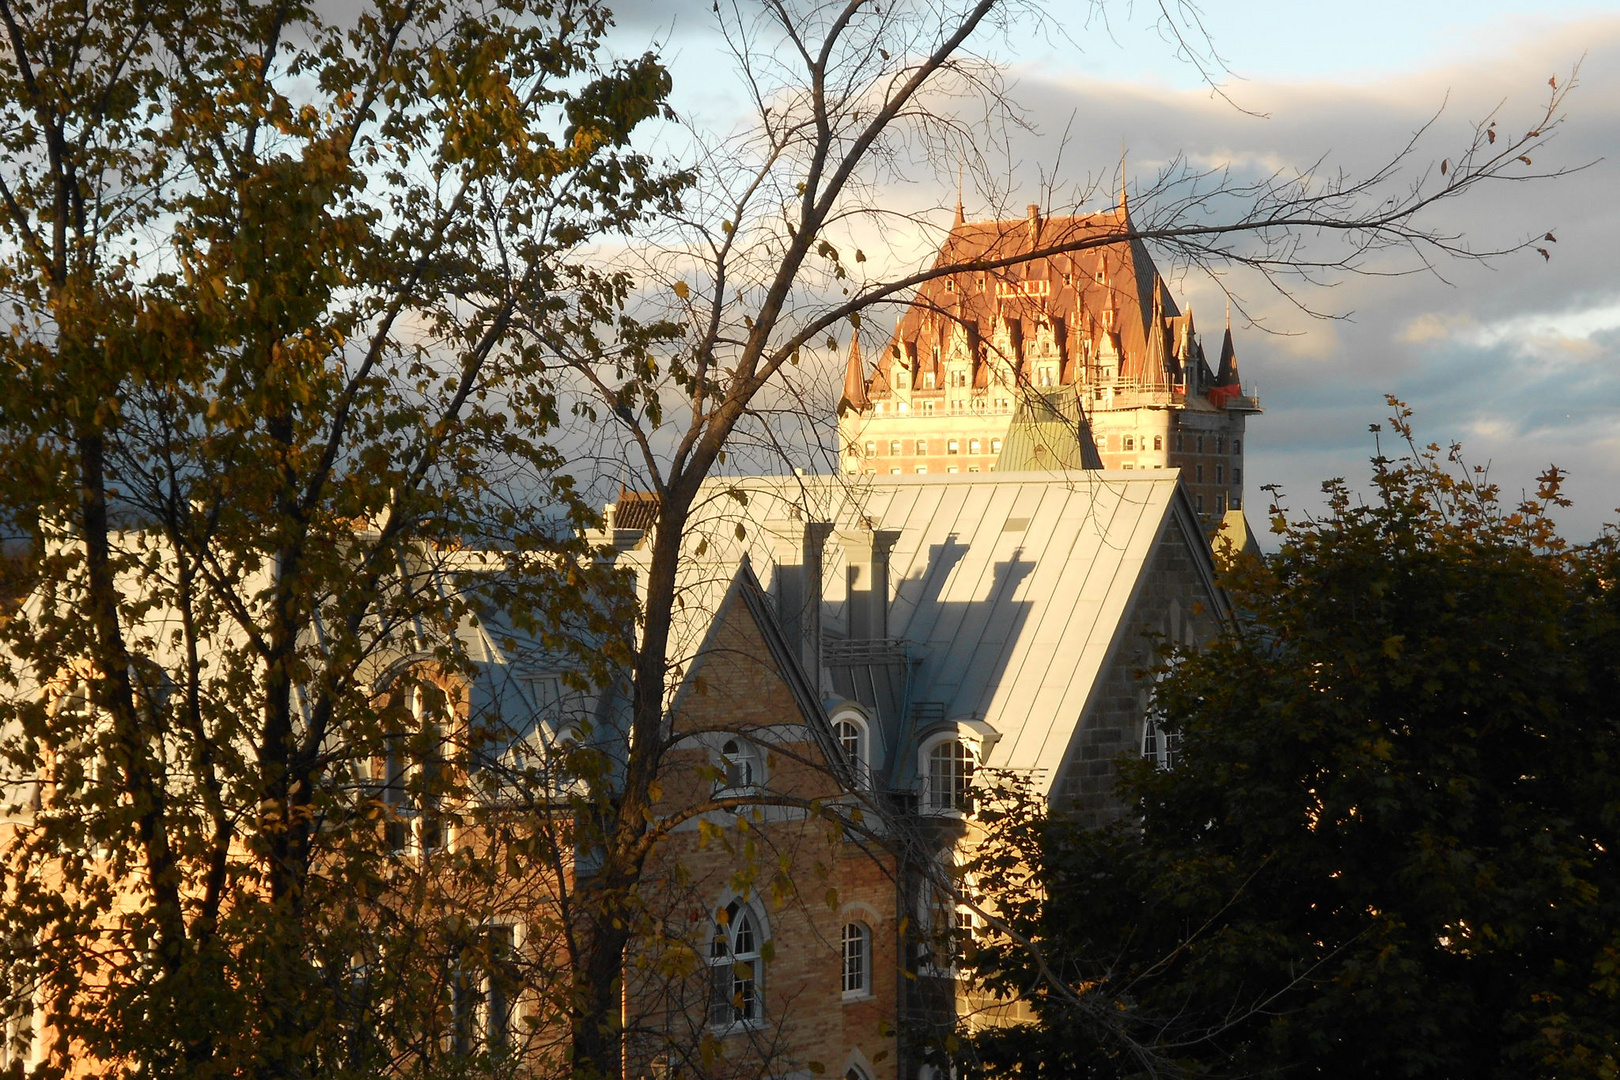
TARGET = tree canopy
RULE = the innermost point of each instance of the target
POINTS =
(1386, 844)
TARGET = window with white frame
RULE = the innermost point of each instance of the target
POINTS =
(949, 776)
(855, 742)
(737, 966)
(408, 776)
(1160, 746)
(741, 765)
(484, 984)
(857, 946)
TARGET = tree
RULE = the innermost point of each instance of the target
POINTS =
(763, 263)
(264, 392)
(279, 277)
(1383, 848)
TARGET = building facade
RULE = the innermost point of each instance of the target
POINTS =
(1097, 325)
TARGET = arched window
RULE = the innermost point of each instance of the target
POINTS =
(740, 761)
(855, 743)
(857, 939)
(737, 968)
(949, 775)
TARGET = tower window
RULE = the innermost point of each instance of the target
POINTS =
(894, 447)
(1158, 442)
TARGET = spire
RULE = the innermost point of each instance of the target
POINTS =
(1124, 200)
(1227, 373)
(959, 216)
(854, 395)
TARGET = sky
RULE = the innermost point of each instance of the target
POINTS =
(1517, 359)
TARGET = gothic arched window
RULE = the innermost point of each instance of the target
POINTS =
(736, 966)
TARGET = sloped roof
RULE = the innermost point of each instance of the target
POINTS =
(1008, 590)
(1048, 433)
(1072, 291)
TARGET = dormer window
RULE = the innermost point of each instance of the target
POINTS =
(854, 741)
(948, 776)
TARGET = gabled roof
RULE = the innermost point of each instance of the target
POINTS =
(1006, 590)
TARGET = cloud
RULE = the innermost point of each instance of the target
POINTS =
(1519, 357)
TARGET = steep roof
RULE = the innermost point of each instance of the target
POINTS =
(1007, 592)
(1109, 290)
(1048, 432)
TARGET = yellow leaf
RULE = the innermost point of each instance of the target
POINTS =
(682, 290)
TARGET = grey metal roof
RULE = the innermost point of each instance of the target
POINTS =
(1007, 589)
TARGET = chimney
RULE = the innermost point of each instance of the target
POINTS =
(1034, 224)
(866, 569)
(798, 555)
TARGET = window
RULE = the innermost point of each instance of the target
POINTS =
(857, 960)
(975, 446)
(922, 447)
(1200, 474)
(928, 408)
(483, 984)
(928, 376)
(952, 446)
(1237, 475)
(19, 1028)
(1237, 446)
(1130, 442)
(995, 446)
(1158, 745)
(1180, 442)
(739, 760)
(1220, 474)
(974, 469)
(1158, 442)
(950, 284)
(1198, 501)
(921, 469)
(736, 967)
(894, 471)
(952, 469)
(949, 775)
(853, 741)
(871, 448)
(1200, 444)
(894, 447)
(407, 779)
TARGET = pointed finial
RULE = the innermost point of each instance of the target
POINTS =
(1228, 313)
(959, 215)
(1124, 203)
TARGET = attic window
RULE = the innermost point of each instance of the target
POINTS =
(950, 285)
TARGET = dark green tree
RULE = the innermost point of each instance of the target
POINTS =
(1387, 843)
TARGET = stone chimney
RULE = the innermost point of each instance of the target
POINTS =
(1034, 225)
(798, 554)
(866, 570)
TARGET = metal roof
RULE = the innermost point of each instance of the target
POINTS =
(1007, 590)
